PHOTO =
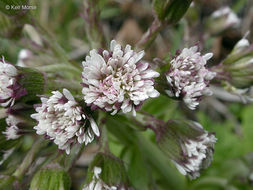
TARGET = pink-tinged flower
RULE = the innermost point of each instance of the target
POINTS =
(9, 88)
(198, 155)
(188, 77)
(117, 79)
(12, 132)
(64, 121)
(187, 144)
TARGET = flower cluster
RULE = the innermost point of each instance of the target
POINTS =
(198, 155)
(188, 145)
(97, 183)
(188, 78)
(12, 131)
(117, 79)
(9, 88)
(62, 120)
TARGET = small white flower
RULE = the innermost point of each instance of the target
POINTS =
(62, 120)
(117, 79)
(8, 75)
(188, 78)
(98, 184)
(23, 56)
(198, 155)
(231, 19)
(12, 131)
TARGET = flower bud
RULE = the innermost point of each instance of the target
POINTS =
(222, 20)
(237, 68)
(188, 145)
(106, 172)
(25, 58)
(171, 10)
(51, 178)
(22, 84)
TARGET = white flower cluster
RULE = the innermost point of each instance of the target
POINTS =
(117, 79)
(62, 120)
(97, 183)
(7, 83)
(188, 78)
(198, 155)
(12, 131)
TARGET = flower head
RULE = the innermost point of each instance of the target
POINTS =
(9, 88)
(188, 78)
(12, 131)
(63, 120)
(117, 79)
(188, 145)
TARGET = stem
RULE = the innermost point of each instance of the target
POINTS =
(58, 50)
(150, 35)
(70, 160)
(103, 140)
(29, 158)
(93, 25)
(211, 181)
(104, 147)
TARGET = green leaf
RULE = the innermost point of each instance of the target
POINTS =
(171, 10)
(138, 169)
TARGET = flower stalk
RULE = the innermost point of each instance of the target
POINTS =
(29, 158)
(150, 35)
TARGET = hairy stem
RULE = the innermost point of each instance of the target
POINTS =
(150, 34)
(29, 158)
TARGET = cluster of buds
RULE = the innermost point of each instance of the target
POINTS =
(63, 120)
(222, 20)
(186, 143)
(236, 69)
(188, 77)
(106, 172)
(117, 79)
